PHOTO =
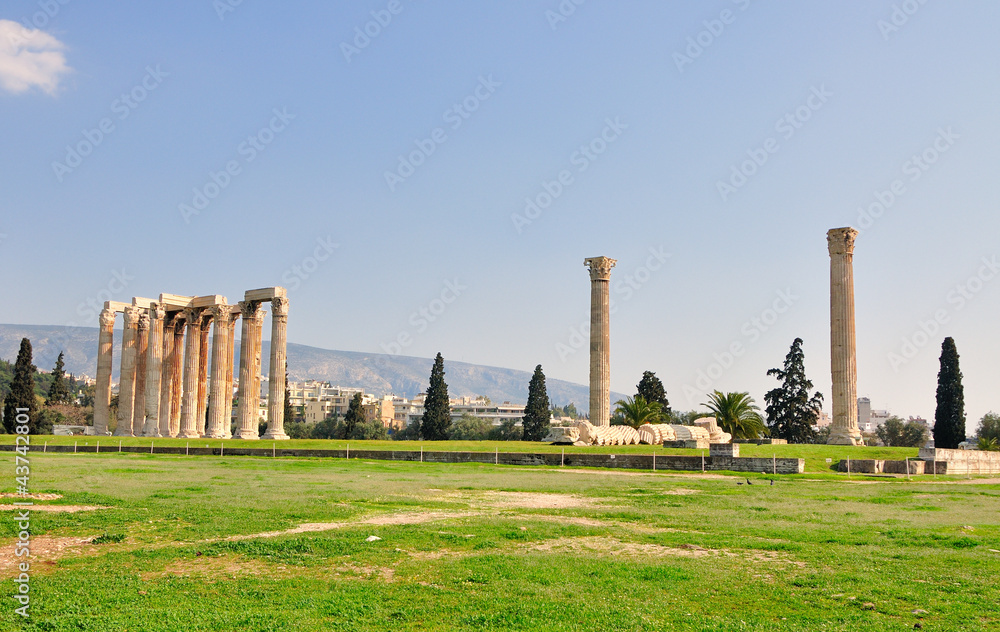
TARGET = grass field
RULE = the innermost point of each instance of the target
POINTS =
(218, 544)
(815, 455)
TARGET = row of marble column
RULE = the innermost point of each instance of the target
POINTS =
(165, 389)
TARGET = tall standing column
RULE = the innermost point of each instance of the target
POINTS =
(249, 394)
(206, 326)
(126, 384)
(192, 356)
(843, 351)
(230, 360)
(276, 372)
(105, 357)
(167, 379)
(600, 339)
(177, 381)
(222, 314)
(141, 349)
(154, 370)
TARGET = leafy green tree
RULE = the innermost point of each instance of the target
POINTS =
(410, 433)
(535, 424)
(437, 408)
(22, 391)
(636, 411)
(470, 428)
(58, 390)
(791, 413)
(737, 414)
(989, 427)
(369, 430)
(330, 428)
(949, 417)
(508, 430)
(355, 415)
(897, 433)
(988, 444)
(650, 388)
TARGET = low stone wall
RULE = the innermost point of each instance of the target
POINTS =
(961, 461)
(693, 463)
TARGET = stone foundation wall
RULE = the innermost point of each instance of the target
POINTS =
(962, 461)
(624, 461)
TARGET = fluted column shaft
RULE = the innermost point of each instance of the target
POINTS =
(230, 360)
(249, 393)
(203, 360)
(167, 379)
(600, 340)
(105, 359)
(192, 357)
(177, 381)
(276, 372)
(154, 370)
(217, 393)
(141, 349)
(126, 384)
(843, 350)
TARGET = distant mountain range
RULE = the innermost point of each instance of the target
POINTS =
(377, 373)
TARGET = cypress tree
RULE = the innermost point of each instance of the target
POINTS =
(949, 417)
(354, 416)
(58, 390)
(289, 411)
(536, 413)
(650, 388)
(436, 422)
(791, 412)
(22, 390)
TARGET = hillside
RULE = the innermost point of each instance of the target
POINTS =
(378, 373)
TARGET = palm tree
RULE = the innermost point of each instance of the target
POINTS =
(636, 412)
(737, 414)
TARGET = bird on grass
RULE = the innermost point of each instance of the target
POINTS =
(772, 481)
(748, 482)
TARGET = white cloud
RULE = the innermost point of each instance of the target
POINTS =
(30, 58)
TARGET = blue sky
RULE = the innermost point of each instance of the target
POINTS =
(393, 177)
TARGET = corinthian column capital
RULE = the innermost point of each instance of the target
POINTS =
(600, 267)
(841, 240)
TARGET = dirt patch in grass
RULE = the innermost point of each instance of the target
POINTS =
(31, 496)
(382, 520)
(680, 491)
(658, 473)
(51, 508)
(605, 545)
(230, 567)
(534, 500)
(45, 551)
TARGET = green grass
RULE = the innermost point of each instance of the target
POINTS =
(618, 551)
(815, 455)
